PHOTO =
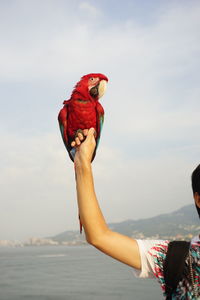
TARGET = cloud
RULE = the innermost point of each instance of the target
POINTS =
(165, 49)
(90, 9)
(37, 187)
(129, 188)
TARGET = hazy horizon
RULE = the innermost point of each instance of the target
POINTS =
(77, 229)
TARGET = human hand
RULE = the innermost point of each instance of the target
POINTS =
(85, 145)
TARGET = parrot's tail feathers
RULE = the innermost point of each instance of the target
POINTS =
(81, 226)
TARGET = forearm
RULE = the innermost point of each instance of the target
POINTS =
(97, 232)
(89, 210)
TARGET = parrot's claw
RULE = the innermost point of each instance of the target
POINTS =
(73, 150)
(82, 132)
(79, 131)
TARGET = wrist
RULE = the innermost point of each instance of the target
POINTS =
(83, 166)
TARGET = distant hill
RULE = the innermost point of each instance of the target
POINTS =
(180, 224)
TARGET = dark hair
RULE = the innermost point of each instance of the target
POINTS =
(196, 184)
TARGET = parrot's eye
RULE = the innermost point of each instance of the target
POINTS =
(91, 78)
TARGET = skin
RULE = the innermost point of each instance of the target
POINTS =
(118, 246)
(197, 199)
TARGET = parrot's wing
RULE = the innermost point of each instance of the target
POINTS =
(100, 120)
(62, 119)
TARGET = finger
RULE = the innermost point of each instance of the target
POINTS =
(91, 132)
(85, 132)
(80, 136)
(73, 144)
(77, 141)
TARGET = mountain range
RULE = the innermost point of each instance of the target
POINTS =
(180, 224)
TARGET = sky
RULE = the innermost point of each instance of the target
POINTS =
(150, 51)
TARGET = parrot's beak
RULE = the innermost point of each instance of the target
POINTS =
(99, 89)
(102, 88)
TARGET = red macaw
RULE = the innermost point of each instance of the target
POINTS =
(83, 111)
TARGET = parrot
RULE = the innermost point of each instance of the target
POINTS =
(83, 111)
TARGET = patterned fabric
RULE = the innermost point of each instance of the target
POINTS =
(184, 289)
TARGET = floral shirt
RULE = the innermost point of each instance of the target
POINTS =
(153, 254)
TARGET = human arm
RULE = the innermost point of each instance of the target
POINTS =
(118, 246)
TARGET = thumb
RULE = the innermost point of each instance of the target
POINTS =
(91, 133)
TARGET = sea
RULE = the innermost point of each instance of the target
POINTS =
(69, 273)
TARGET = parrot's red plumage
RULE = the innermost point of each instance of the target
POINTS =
(83, 111)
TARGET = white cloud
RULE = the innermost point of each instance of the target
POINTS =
(37, 187)
(90, 9)
(145, 55)
(129, 188)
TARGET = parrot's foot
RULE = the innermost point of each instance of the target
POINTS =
(79, 131)
(84, 135)
(80, 135)
(72, 152)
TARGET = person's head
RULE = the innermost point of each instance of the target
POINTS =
(196, 187)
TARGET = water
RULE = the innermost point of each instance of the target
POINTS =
(69, 273)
